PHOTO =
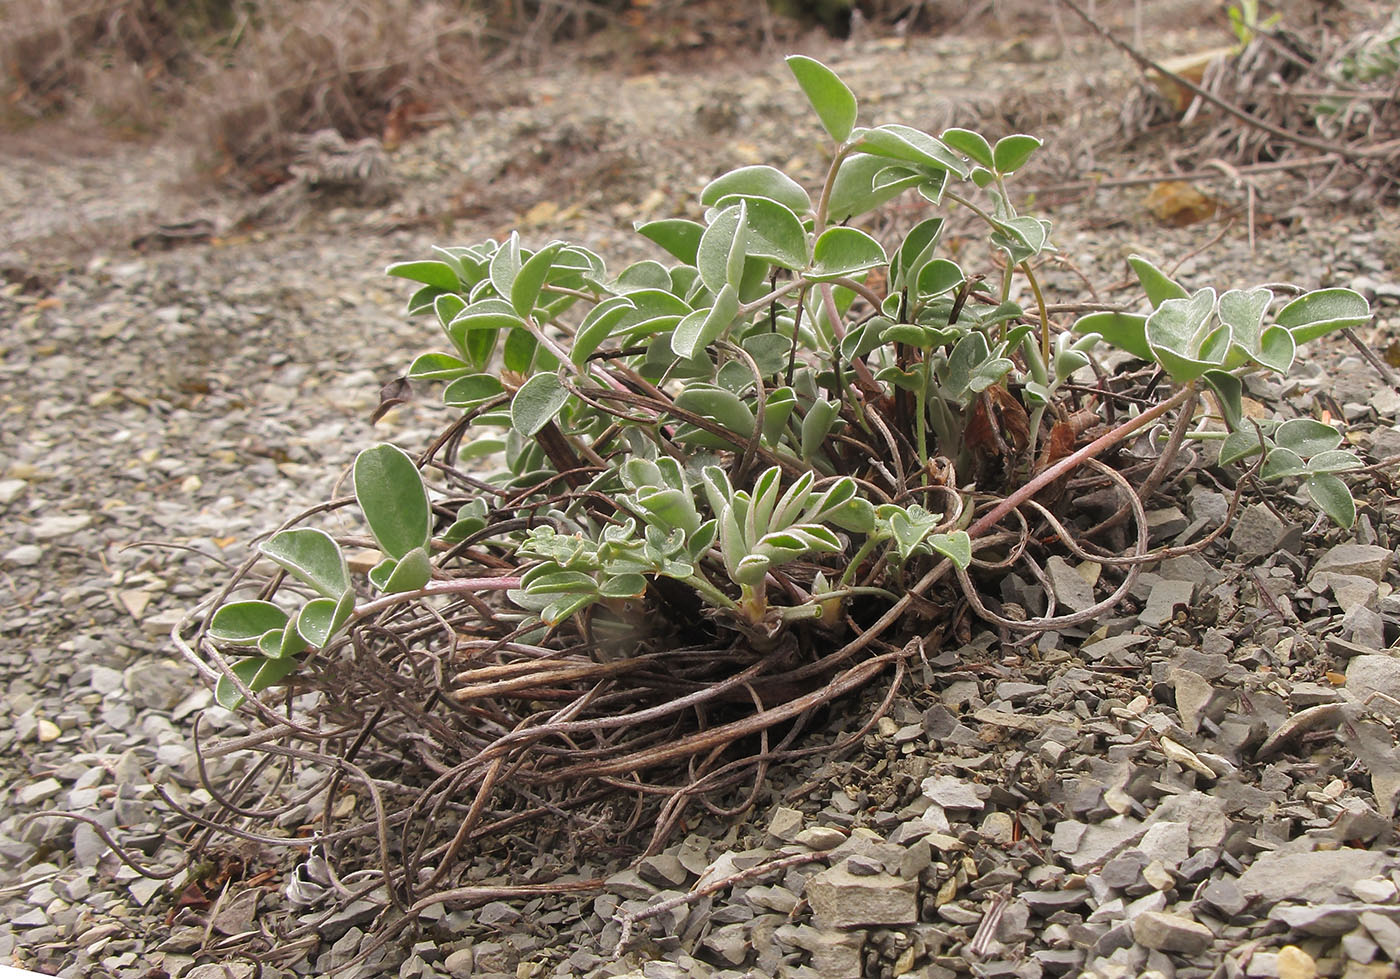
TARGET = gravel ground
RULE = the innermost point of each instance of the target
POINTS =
(1192, 788)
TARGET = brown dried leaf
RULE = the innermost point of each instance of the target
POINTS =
(1179, 204)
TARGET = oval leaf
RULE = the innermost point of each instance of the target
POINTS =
(537, 403)
(1333, 498)
(832, 100)
(311, 556)
(320, 618)
(525, 290)
(1307, 436)
(1013, 151)
(413, 571)
(472, 390)
(680, 237)
(244, 623)
(1322, 311)
(757, 181)
(972, 144)
(439, 275)
(843, 251)
(390, 491)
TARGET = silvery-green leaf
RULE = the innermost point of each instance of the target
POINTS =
(829, 96)
(840, 252)
(244, 623)
(505, 265)
(1126, 331)
(439, 275)
(623, 586)
(910, 145)
(819, 422)
(1013, 151)
(598, 325)
(537, 403)
(1175, 333)
(413, 571)
(520, 350)
(1281, 463)
(702, 327)
(1244, 312)
(525, 289)
(957, 546)
(1307, 436)
(1333, 461)
(720, 406)
(472, 390)
(284, 644)
(915, 252)
(311, 556)
(970, 143)
(645, 274)
(680, 237)
(1229, 396)
(717, 245)
(390, 491)
(1333, 498)
(257, 673)
(1240, 445)
(769, 351)
(864, 182)
(1156, 283)
(750, 570)
(775, 233)
(757, 181)
(1322, 311)
(937, 277)
(320, 618)
(437, 367)
(776, 412)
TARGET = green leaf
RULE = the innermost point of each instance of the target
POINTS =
(390, 491)
(841, 252)
(775, 233)
(915, 252)
(720, 406)
(717, 246)
(437, 367)
(439, 275)
(819, 422)
(284, 644)
(505, 265)
(519, 352)
(776, 412)
(1277, 349)
(680, 237)
(1239, 445)
(1155, 283)
(1307, 436)
(1229, 396)
(411, 572)
(832, 100)
(525, 290)
(423, 300)
(537, 403)
(1177, 333)
(623, 586)
(1013, 151)
(910, 145)
(750, 570)
(1126, 331)
(1320, 312)
(702, 327)
(243, 623)
(472, 390)
(1333, 498)
(769, 351)
(757, 181)
(257, 674)
(598, 325)
(1281, 463)
(957, 546)
(938, 277)
(1333, 461)
(972, 144)
(311, 556)
(645, 274)
(320, 618)
(864, 182)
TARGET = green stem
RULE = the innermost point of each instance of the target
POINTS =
(871, 542)
(824, 201)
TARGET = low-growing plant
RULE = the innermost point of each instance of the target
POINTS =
(792, 446)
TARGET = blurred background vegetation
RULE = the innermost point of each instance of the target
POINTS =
(237, 79)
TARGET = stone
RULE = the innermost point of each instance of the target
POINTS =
(1294, 963)
(24, 556)
(52, 528)
(1225, 896)
(11, 490)
(1385, 931)
(785, 824)
(1318, 919)
(1072, 590)
(952, 792)
(1168, 842)
(1366, 560)
(664, 870)
(821, 838)
(1257, 533)
(1171, 933)
(36, 792)
(1193, 694)
(1316, 877)
(841, 899)
(1374, 890)
(1163, 600)
(1376, 673)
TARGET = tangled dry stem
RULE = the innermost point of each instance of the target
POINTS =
(458, 740)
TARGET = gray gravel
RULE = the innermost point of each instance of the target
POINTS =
(1193, 783)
